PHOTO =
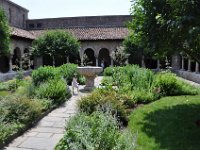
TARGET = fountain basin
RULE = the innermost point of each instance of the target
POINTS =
(89, 72)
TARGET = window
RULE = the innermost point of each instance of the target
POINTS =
(31, 25)
(39, 25)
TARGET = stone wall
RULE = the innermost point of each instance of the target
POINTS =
(9, 76)
(195, 77)
(16, 14)
(77, 22)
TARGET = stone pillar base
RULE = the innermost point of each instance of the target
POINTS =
(89, 83)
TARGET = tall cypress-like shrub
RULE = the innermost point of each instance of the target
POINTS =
(4, 34)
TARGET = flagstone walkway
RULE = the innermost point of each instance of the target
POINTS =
(49, 130)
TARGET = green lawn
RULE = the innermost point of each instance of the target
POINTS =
(168, 124)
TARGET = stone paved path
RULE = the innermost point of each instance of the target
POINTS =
(46, 134)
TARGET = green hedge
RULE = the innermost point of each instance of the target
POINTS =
(44, 74)
(55, 90)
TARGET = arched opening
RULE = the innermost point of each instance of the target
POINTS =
(47, 60)
(16, 59)
(193, 66)
(104, 56)
(4, 64)
(88, 58)
(31, 62)
(150, 63)
(185, 64)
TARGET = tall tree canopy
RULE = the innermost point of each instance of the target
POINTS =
(4, 34)
(162, 27)
(56, 44)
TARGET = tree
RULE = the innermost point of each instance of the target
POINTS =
(4, 34)
(120, 56)
(162, 27)
(56, 44)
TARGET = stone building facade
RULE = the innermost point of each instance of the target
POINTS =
(99, 37)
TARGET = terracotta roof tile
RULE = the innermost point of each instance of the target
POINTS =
(22, 33)
(114, 33)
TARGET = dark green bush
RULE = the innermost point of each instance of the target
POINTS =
(102, 98)
(55, 90)
(109, 71)
(168, 84)
(44, 74)
(68, 71)
(98, 131)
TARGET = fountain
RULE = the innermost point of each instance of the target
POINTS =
(90, 73)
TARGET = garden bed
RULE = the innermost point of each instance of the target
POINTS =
(24, 101)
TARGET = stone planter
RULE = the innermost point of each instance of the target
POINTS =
(89, 73)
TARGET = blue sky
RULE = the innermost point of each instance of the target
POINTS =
(71, 8)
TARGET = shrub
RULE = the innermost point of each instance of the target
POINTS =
(55, 90)
(18, 112)
(68, 71)
(44, 74)
(168, 84)
(99, 131)
(21, 110)
(102, 98)
(109, 71)
(107, 81)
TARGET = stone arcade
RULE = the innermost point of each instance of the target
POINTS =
(99, 37)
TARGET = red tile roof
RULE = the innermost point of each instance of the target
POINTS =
(22, 33)
(113, 33)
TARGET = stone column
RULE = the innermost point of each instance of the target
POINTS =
(96, 59)
(111, 62)
(20, 64)
(82, 61)
(143, 62)
(183, 63)
(197, 67)
(29, 63)
(176, 61)
(158, 64)
(189, 65)
(10, 63)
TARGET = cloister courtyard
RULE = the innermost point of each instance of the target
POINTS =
(117, 82)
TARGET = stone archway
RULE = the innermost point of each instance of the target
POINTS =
(104, 55)
(4, 64)
(90, 57)
(16, 59)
